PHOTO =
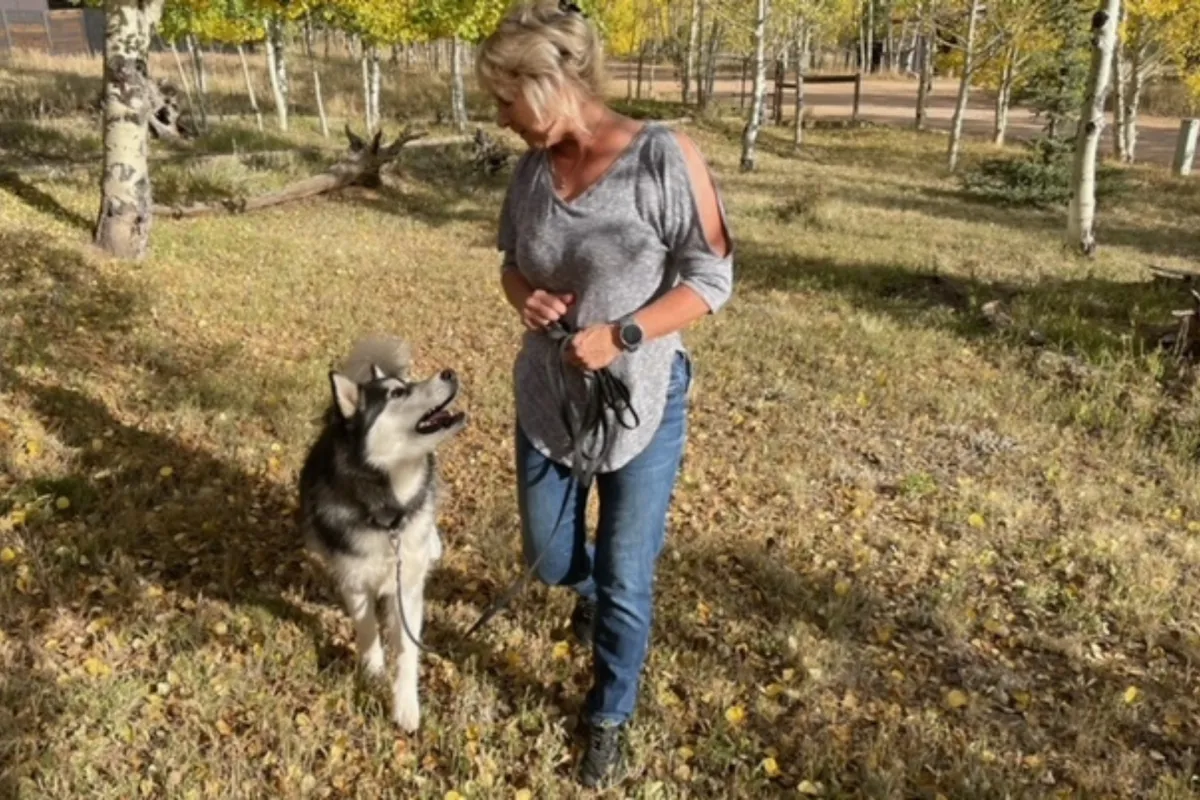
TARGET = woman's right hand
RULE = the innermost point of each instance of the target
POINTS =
(541, 308)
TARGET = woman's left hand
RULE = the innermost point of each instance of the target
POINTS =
(593, 348)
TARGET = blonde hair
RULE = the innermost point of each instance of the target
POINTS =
(538, 50)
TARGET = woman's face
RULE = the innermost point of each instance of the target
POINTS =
(517, 115)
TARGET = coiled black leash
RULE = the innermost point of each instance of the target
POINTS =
(605, 393)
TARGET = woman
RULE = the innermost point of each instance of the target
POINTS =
(615, 230)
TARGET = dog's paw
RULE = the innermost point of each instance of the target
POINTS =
(373, 662)
(406, 710)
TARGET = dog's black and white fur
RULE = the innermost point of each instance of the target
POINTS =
(370, 484)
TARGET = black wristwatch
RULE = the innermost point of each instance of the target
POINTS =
(629, 333)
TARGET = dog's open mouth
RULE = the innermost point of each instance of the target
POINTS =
(439, 419)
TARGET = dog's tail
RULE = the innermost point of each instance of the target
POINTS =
(390, 353)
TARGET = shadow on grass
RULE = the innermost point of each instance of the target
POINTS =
(206, 529)
(1088, 316)
(1155, 239)
(43, 94)
(22, 142)
(760, 594)
(39, 200)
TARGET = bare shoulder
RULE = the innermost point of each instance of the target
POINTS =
(706, 193)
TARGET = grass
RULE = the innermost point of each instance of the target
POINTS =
(911, 555)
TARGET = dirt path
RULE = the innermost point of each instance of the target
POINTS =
(892, 101)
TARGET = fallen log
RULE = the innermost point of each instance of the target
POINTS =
(359, 167)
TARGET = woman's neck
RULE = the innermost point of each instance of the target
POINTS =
(579, 138)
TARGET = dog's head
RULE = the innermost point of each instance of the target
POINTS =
(397, 420)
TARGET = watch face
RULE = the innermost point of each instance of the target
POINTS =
(631, 333)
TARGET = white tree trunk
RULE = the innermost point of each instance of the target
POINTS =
(1132, 102)
(964, 86)
(1004, 96)
(803, 35)
(1185, 147)
(183, 77)
(316, 74)
(366, 89)
(641, 66)
(376, 90)
(458, 92)
(713, 46)
(201, 80)
(1081, 215)
(870, 36)
(750, 134)
(123, 222)
(891, 37)
(861, 15)
(693, 44)
(250, 87)
(1120, 87)
(277, 66)
(926, 69)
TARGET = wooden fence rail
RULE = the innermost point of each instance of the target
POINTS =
(57, 33)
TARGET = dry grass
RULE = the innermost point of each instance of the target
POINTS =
(911, 555)
(39, 86)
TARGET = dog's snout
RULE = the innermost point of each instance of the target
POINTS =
(448, 375)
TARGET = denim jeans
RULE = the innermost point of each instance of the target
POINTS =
(617, 572)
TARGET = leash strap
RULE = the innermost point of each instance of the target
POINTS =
(605, 392)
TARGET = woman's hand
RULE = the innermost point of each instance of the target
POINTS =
(541, 308)
(593, 348)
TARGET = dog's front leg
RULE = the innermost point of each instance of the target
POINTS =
(406, 709)
(361, 608)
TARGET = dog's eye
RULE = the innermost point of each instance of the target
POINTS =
(396, 392)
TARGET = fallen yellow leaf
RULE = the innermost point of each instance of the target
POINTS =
(166, 472)
(842, 588)
(523, 794)
(770, 767)
(956, 698)
(976, 521)
(33, 448)
(452, 795)
(735, 715)
(1132, 694)
(562, 651)
(18, 517)
(810, 789)
(62, 503)
(8, 555)
(96, 668)
(685, 753)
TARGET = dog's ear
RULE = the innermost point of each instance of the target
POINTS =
(345, 394)
(376, 373)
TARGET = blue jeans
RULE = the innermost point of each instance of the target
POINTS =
(618, 571)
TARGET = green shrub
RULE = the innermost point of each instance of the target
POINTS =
(1040, 177)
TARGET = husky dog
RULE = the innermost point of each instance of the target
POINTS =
(368, 489)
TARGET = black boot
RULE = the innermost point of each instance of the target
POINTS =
(603, 761)
(583, 621)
